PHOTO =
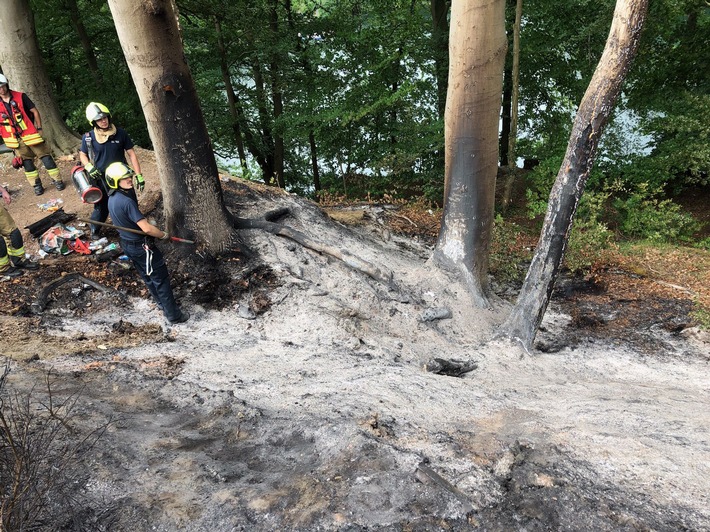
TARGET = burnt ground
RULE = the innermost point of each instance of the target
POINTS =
(295, 398)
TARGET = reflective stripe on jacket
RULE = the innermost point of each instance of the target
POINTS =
(17, 124)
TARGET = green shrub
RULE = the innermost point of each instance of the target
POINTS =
(703, 244)
(508, 252)
(702, 316)
(590, 237)
(645, 216)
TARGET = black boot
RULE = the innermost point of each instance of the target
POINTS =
(39, 189)
(59, 185)
(18, 263)
(11, 272)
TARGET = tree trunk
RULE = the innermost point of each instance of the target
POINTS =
(314, 161)
(22, 65)
(440, 45)
(266, 161)
(231, 96)
(505, 117)
(85, 40)
(515, 90)
(277, 98)
(592, 116)
(478, 46)
(192, 195)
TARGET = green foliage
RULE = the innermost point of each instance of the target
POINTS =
(508, 254)
(644, 215)
(358, 78)
(540, 182)
(73, 82)
(702, 316)
(590, 236)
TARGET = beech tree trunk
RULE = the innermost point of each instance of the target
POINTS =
(593, 114)
(477, 49)
(192, 194)
(22, 65)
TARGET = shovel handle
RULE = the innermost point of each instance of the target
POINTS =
(136, 231)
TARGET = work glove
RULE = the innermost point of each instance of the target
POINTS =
(93, 172)
(140, 182)
(166, 236)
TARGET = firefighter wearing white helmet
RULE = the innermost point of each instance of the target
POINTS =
(105, 144)
(96, 111)
(146, 257)
(21, 130)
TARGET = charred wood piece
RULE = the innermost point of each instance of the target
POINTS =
(451, 368)
(38, 228)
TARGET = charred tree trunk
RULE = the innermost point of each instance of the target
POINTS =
(22, 64)
(192, 194)
(478, 46)
(592, 116)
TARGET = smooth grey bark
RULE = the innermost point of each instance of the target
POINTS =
(192, 195)
(22, 64)
(593, 114)
(477, 49)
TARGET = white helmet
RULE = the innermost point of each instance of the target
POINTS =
(3, 80)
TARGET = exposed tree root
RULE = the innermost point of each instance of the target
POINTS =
(40, 303)
(268, 224)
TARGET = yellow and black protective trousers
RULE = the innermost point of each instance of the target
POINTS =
(12, 249)
(28, 154)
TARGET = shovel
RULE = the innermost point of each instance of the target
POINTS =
(136, 231)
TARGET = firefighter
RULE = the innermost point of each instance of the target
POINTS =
(12, 249)
(21, 129)
(103, 145)
(146, 257)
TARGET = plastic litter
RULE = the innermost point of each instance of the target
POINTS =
(52, 205)
(98, 244)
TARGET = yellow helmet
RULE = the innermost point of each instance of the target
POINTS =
(115, 172)
(96, 111)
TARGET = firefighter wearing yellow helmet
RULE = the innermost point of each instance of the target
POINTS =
(105, 144)
(145, 255)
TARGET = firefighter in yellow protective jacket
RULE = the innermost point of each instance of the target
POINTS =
(12, 248)
(20, 127)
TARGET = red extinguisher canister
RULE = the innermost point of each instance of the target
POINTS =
(84, 185)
